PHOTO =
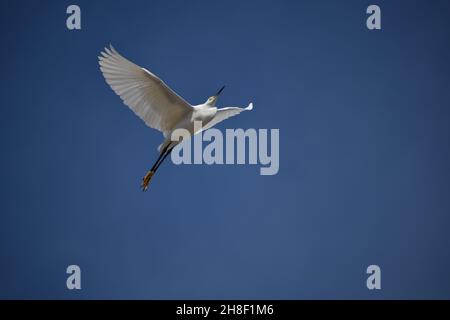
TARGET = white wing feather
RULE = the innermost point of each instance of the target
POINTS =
(225, 113)
(143, 92)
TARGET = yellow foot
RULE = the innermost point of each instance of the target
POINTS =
(146, 180)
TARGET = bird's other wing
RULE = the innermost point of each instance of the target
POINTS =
(143, 92)
(225, 113)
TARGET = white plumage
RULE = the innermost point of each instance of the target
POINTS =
(147, 95)
(225, 113)
(156, 104)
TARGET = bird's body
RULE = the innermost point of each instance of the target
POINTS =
(157, 105)
(200, 114)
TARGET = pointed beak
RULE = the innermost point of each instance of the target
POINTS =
(220, 91)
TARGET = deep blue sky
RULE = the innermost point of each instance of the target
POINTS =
(364, 158)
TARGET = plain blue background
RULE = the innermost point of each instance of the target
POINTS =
(364, 152)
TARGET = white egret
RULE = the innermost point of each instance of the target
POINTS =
(158, 105)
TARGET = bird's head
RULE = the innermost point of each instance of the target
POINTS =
(212, 100)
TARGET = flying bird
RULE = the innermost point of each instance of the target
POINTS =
(157, 105)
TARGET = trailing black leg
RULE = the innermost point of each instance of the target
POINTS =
(151, 172)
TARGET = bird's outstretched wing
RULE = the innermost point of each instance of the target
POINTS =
(225, 113)
(143, 92)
